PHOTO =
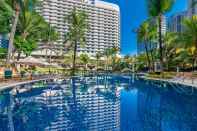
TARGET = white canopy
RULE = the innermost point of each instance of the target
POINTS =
(33, 61)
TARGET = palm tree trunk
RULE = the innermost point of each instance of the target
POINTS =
(50, 55)
(12, 34)
(147, 55)
(97, 64)
(74, 58)
(160, 43)
(19, 56)
(152, 57)
(193, 63)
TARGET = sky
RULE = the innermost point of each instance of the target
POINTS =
(134, 12)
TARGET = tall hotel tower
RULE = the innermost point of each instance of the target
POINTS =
(103, 21)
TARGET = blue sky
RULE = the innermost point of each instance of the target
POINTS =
(133, 12)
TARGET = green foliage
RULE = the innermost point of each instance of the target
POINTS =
(110, 52)
(49, 34)
(31, 25)
(78, 27)
(29, 31)
(146, 34)
(158, 7)
(3, 53)
(179, 49)
(166, 75)
(84, 58)
(77, 31)
(25, 46)
(5, 17)
(189, 37)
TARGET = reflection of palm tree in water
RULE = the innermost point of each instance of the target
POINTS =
(25, 114)
(77, 112)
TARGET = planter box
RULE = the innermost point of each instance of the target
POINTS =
(8, 74)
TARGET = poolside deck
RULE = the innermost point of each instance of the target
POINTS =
(186, 82)
(10, 84)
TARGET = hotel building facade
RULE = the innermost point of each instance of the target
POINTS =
(175, 22)
(192, 7)
(103, 21)
(153, 44)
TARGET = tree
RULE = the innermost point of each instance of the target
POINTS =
(141, 61)
(110, 53)
(189, 37)
(169, 51)
(25, 46)
(143, 37)
(98, 56)
(17, 6)
(84, 58)
(28, 33)
(50, 35)
(5, 17)
(20, 10)
(3, 53)
(184, 58)
(156, 9)
(77, 31)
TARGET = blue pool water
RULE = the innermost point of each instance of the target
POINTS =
(99, 103)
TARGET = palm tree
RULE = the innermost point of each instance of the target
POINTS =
(143, 37)
(98, 56)
(49, 37)
(147, 34)
(169, 51)
(17, 6)
(189, 37)
(108, 53)
(77, 31)
(30, 29)
(84, 59)
(156, 9)
(5, 17)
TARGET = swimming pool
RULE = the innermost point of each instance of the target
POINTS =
(99, 103)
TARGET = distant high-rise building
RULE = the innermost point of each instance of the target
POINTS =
(153, 44)
(103, 20)
(175, 22)
(192, 7)
(164, 25)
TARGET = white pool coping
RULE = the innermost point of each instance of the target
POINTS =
(173, 81)
(14, 84)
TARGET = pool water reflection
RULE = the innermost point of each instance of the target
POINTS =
(99, 103)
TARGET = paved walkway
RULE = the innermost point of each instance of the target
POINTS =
(12, 84)
(186, 82)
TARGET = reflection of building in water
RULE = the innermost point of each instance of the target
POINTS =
(79, 111)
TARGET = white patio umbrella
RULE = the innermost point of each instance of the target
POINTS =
(33, 61)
